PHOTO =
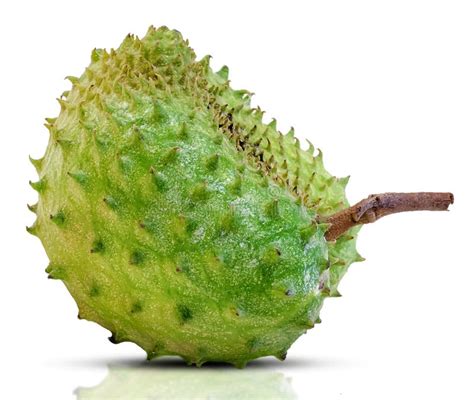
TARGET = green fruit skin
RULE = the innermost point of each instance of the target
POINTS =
(176, 218)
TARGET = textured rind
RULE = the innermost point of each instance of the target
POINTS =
(176, 218)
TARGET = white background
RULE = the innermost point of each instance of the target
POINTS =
(385, 88)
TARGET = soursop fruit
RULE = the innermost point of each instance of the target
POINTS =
(180, 221)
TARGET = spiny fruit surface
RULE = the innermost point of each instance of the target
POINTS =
(176, 218)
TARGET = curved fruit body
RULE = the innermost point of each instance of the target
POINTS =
(176, 218)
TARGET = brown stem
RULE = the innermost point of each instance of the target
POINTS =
(379, 205)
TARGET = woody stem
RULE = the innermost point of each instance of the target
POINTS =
(377, 206)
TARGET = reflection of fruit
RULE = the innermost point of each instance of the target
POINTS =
(180, 221)
(162, 383)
